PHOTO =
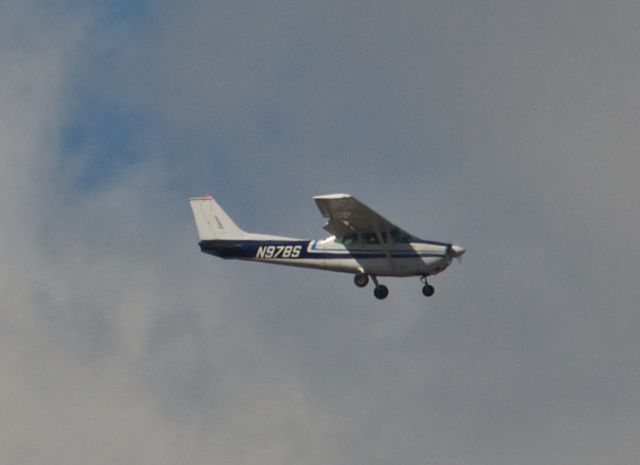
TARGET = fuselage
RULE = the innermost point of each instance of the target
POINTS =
(410, 257)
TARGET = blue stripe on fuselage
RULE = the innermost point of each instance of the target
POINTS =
(246, 248)
(307, 249)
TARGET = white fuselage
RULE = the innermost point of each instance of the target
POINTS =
(392, 259)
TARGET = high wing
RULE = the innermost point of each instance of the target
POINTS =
(346, 215)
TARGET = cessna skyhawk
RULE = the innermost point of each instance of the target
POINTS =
(362, 242)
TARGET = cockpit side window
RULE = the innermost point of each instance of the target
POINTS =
(400, 236)
(370, 238)
(395, 235)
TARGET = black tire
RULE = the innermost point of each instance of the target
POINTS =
(361, 279)
(381, 292)
(428, 290)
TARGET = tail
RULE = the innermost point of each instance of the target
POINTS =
(212, 221)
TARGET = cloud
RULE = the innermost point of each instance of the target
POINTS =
(509, 128)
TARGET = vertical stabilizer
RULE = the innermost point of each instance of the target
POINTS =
(212, 221)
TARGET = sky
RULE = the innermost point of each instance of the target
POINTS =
(510, 128)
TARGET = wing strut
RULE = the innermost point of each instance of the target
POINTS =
(383, 243)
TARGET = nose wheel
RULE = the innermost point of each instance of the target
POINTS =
(428, 290)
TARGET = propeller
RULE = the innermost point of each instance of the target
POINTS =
(455, 251)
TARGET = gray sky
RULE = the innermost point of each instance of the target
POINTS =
(509, 127)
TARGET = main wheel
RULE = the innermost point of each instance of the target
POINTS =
(361, 279)
(428, 290)
(381, 292)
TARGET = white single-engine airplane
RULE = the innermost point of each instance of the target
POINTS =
(362, 242)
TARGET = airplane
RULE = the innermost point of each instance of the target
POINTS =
(362, 242)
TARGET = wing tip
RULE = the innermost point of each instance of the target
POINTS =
(204, 197)
(332, 196)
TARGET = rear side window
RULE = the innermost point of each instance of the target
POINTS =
(347, 239)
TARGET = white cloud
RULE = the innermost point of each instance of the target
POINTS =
(122, 343)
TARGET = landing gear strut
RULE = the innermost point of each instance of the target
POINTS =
(380, 291)
(428, 290)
